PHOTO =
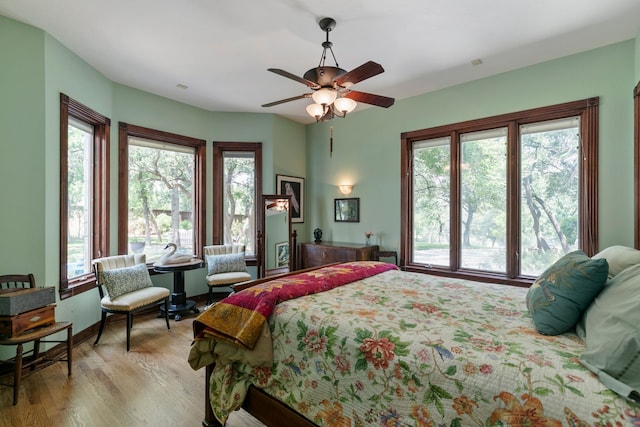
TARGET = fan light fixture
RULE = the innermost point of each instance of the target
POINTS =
(331, 86)
(328, 102)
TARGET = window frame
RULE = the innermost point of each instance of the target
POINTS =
(636, 163)
(126, 130)
(100, 208)
(586, 109)
(219, 149)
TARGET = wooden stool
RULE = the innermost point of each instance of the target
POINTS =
(35, 335)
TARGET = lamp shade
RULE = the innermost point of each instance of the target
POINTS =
(345, 105)
(324, 96)
(315, 110)
(345, 188)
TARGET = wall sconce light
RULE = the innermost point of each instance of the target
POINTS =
(345, 188)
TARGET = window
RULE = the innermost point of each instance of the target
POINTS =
(237, 174)
(501, 198)
(161, 192)
(84, 189)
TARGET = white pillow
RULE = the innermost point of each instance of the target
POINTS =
(611, 334)
(619, 258)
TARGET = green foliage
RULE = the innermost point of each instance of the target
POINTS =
(549, 175)
(239, 200)
(164, 222)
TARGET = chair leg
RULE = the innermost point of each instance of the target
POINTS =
(102, 322)
(129, 324)
(166, 312)
(69, 349)
(17, 374)
(36, 353)
(209, 296)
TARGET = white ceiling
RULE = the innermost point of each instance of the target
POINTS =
(221, 49)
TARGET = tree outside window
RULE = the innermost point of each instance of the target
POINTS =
(162, 192)
(84, 188)
(237, 185)
(501, 201)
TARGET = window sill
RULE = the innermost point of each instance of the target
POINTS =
(79, 286)
(478, 276)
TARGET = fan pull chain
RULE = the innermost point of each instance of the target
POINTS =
(331, 141)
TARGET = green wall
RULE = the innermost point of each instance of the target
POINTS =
(637, 56)
(367, 144)
(36, 69)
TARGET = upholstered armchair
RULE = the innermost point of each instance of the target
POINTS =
(125, 288)
(225, 266)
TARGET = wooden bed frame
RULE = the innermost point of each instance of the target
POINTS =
(259, 404)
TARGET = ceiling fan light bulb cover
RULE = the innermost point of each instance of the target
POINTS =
(345, 105)
(324, 96)
(315, 110)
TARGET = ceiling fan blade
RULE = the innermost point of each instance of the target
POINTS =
(363, 72)
(369, 98)
(291, 76)
(282, 101)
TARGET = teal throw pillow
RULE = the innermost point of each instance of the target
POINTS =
(120, 281)
(228, 263)
(560, 295)
(612, 336)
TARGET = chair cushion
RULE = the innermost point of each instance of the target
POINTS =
(120, 281)
(560, 295)
(226, 263)
(228, 278)
(132, 300)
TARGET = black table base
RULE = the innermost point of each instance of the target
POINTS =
(179, 302)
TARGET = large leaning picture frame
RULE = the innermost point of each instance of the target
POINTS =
(294, 187)
(347, 210)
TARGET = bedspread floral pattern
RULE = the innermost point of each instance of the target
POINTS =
(442, 352)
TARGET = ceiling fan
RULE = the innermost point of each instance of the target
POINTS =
(331, 94)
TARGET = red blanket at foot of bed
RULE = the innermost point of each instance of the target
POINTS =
(239, 317)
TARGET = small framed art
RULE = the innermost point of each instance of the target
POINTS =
(294, 187)
(347, 210)
(282, 254)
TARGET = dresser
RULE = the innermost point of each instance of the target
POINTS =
(315, 254)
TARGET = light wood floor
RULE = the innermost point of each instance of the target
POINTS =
(151, 385)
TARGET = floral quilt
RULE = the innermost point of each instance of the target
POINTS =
(407, 349)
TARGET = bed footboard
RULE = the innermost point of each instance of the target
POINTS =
(260, 405)
(209, 419)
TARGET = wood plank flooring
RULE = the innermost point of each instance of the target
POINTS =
(151, 385)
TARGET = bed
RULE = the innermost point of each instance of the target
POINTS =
(363, 343)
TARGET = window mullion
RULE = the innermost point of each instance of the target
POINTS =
(455, 204)
(513, 201)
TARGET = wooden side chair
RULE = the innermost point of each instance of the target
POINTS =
(129, 289)
(17, 281)
(32, 358)
(225, 266)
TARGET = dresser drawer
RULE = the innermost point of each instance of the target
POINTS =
(316, 254)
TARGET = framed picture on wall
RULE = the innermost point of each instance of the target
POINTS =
(294, 187)
(347, 210)
(282, 254)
